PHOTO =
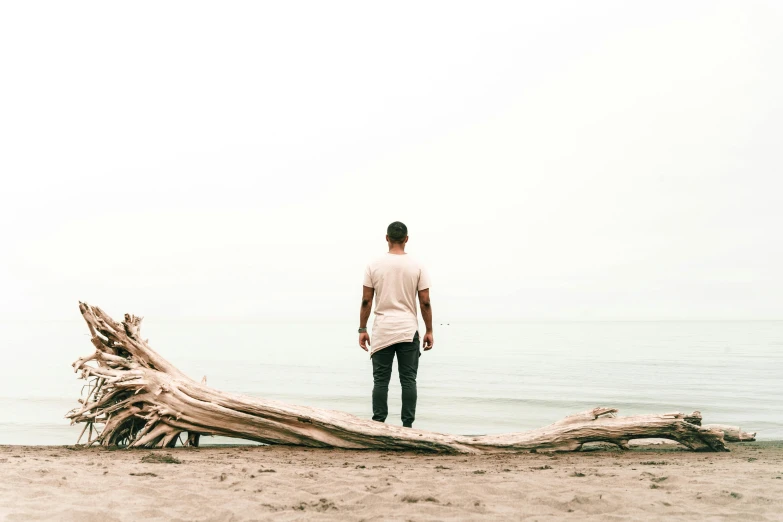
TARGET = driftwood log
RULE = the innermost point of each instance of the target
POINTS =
(139, 399)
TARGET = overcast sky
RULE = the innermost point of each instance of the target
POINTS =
(552, 160)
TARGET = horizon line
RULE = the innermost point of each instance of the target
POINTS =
(235, 319)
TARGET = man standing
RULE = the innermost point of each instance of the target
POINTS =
(395, 280)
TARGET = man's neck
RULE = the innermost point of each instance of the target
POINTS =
(397, 250)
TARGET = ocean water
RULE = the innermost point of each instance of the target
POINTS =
(481, 378)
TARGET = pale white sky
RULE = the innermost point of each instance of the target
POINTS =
(553, 160)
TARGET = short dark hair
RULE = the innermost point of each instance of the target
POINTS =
(397, 232)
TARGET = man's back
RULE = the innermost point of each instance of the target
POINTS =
(397, 279)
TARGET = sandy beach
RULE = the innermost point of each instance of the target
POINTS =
(284, 483)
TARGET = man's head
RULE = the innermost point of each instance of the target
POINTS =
(397, 234)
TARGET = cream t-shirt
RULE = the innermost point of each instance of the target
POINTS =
(397, 280)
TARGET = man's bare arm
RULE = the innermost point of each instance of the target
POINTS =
(364, 315)
(426, 314)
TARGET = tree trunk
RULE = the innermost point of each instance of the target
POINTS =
(142, 400)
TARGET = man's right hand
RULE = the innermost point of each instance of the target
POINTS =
(428, 341)
(364, 341)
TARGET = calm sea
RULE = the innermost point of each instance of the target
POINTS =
(480, 378)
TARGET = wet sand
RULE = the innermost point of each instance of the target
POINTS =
(283, 483)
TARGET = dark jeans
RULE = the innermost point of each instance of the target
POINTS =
(407, 366)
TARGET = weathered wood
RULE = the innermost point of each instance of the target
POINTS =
(732, 433)
(143, 400)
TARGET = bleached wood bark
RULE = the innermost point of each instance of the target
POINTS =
(140, 399)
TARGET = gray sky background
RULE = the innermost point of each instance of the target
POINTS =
(553, 160)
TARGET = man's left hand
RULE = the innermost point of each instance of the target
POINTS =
(364, 340)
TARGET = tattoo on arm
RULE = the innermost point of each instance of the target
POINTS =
(364, 311)
(426, 308)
